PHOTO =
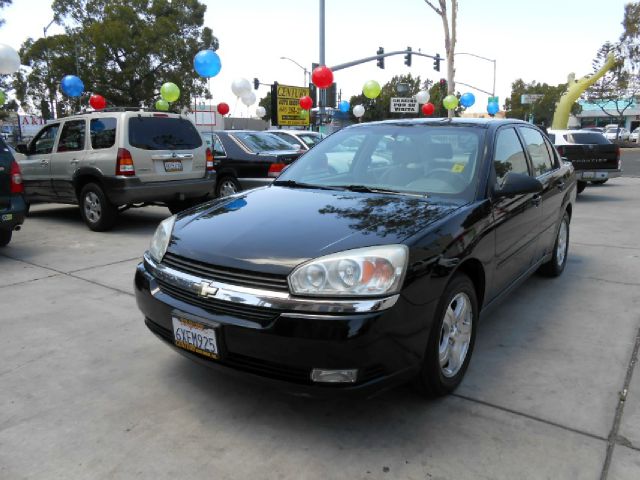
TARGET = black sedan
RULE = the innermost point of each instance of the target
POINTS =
(369, 261)
(246, 159)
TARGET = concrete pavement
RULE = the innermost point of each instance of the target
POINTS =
(87, 392)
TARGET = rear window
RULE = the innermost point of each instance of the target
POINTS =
(586, 138)
(163, 133)
(262, 142)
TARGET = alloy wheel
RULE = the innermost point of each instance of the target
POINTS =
(227, 187)
(455, 335)
(562, 244)
(92, 207)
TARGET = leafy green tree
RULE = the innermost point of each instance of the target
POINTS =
(4, 3)
(122, 49)
(619, 87)
(266, 103)
(542, 109)
(378, 108)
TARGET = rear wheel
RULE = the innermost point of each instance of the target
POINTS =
(5, 237)
(581, 186)
(555, 266)
(227, 186)
(451, 340)
(98, 213)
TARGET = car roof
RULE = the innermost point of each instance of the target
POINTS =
(475, 122)
(119, 112)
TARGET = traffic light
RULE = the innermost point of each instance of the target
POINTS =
(436, 63)
(256, 83)
(407, 57)
(381, 60)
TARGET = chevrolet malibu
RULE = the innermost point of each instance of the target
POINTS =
(369, 261)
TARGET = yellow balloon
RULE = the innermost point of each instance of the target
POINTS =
(450, 102)
(371, 89)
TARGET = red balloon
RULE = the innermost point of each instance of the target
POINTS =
(306, 103)
(97, 102)
(322, 77)
(223, 108)
(428, 108)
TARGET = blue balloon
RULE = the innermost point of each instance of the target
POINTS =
(71, 86)
(344, 106)
(493, 108)
(207, 63)
(467, 99)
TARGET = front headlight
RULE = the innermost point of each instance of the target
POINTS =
(160, 240)
(368, 271)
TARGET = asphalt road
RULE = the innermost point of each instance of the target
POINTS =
(631, 162)
(86, 392)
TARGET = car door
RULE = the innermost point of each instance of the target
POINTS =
(546, 167)
(36, 166)
(66, 158)
(516, 218)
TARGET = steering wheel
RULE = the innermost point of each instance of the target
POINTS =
(447, 176)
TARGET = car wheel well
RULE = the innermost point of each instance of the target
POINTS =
(475, 271)
(82, 180)
(569, 211)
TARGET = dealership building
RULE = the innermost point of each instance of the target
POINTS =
(593, 115)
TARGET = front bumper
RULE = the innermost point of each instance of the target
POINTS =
(128, 190)
(13, 214)
(283, 342)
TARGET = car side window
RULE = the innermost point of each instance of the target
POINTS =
(552, 154)
(72, 136)
(509, 155)
(103, 132)
(218, 149)
(43, 142)
(537, 149)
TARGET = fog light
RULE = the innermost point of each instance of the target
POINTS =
(334, 376)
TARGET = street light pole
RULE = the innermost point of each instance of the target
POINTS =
(44, 30)
(303, 68)
(493, 94)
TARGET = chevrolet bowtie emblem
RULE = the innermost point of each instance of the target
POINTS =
(206, 290)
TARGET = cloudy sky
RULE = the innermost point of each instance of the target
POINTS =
(540, 40)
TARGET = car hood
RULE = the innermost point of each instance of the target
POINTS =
(274, 229)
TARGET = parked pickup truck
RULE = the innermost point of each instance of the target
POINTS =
(594, 158)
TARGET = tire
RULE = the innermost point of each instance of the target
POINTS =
(5, 237)
(600, 182)
(555, 266)
(440, 374)
(581, 186)
(96, 210)
(227, 186)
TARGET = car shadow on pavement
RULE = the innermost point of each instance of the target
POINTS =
(585, 197)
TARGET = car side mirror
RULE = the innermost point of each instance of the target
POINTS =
(22, 148)
(518, 184)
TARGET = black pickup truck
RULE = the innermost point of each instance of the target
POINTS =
(12, 205)
(594, 158)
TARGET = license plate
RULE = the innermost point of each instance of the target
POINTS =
(195, 337)
(173, 166)
(7, 217)
(588, 175)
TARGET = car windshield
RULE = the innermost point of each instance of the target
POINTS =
(408, 159)
(310, 139)
(262, 142)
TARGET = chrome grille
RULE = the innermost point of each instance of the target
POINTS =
(242, 278)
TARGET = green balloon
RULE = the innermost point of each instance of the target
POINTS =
(170, 92)
(450, 102)
(162, 105)
(304, 114)
(371, 89)
(3, 97)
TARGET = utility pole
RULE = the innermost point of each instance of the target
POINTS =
(322, 93)
(53, 109)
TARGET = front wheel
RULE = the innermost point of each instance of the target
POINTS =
(98, 213)
(5, 237)
(451, 340)
(555, 266)
(227, 186)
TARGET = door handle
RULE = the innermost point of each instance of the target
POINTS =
(561, 185)
(536, 200)
(74, 161)
(44, 162)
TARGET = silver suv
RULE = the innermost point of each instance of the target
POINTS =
(115, 159)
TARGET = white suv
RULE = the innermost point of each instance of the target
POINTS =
(116, 159)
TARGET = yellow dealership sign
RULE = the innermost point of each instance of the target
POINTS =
(287, 105)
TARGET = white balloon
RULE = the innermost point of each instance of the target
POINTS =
(358, 111)
(422, 97)
(260, 112)
(248, 98)
(9, 60)
(240, 86)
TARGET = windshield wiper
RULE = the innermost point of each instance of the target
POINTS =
(365, 189)
(294, 184)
